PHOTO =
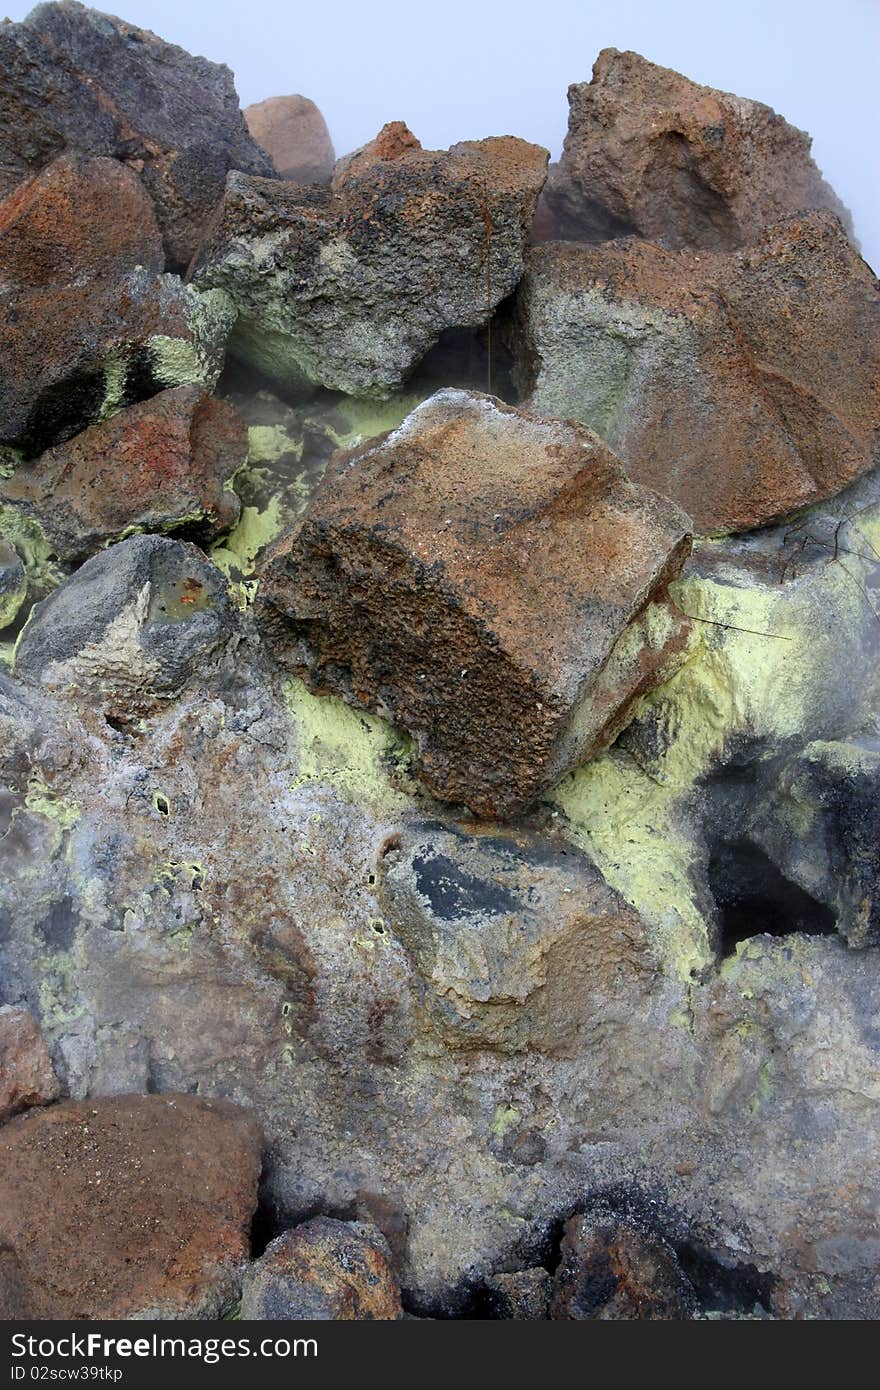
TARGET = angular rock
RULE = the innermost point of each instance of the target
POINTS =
(524, 1295)
(611, 1270)
(294, 134)
(349, 289)
(329, 1270)
(13, 583)
(88, 323)
(492, 582)
(126, 1206)
(744, 386)
(652, 153)
(76, 79)
(520, 942)
(152, 467)
(130, 627)
(26, 1074)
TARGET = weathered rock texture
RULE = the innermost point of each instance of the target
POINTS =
(745, 386)
(88, 321)
(144, 1209)
(614, 1270)
(153, 467)
(131, 626)
(294, 134)
(492, 582)
(75, 79)
(349, 289)
(652, 153)
(26, 1074)
(328, 1270)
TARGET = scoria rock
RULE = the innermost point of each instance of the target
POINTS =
(130, 627)
(26, 1074)
(650, 152)
(294, 134)
(613, 1269)
(76, 79)
(349, 289)
(145, 1206)
(327, 1270)
(152, 467)
(744, 385)
(491, 581)
(88, 322)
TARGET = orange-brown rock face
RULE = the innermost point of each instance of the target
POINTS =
(145, 1205)
(650, 152)
(743, 385)
(336, 1271)
(491, 581)
(26, 1074)
(294, 134)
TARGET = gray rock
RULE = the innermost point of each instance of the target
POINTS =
(13, 583)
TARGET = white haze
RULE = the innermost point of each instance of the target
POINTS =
(461, 69)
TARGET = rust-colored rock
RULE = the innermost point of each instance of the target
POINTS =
(743, 385)
(337, 1271)
(88, 322)
(124, 1206)
(650, 152)
(26, 1074)
(491, 581)
(152, 467)
(294, 134)
(612, 1270)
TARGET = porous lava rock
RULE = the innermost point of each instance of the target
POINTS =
(26, 1074)
(612, 1269)
(325, 1270)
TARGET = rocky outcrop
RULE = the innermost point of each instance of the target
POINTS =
(86, 82)
(26, 1074)
(145, 1208)
(649, 152)
(325, 1270)
(130, 628)
(294, 134)
(153, 467)
(490, 581)
(710, 374)
(349, 289)
(88, 321)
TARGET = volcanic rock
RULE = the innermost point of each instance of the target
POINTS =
(88, 322)
(613, 1270)
(130, 627)
(76, 79)
(492, 582)
(154, 466)
(652, 153)
(744, 386)
(330, 1270)
(349, 289)
(294, 134)
(26, 1074)
(144, 1210)
(523, 1295)
(13, 583)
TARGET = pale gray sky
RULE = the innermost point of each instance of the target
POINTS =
(462, 69)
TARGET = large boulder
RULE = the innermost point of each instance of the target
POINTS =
(349, 288)
(155, 466)
(326, 1270)
(88, 321)
(652, 153)
(492, 582)
(76, 79)
(294, 134)
(744, 385)
(26, 1074)
(617, 1269)
(127, 1206)
(130, 627)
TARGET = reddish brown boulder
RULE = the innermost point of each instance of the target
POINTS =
(26, 1074)
(491, 581)
(125, 1206)
(650, 152)
(294, 134)
(151, 467)
(337, 1271)
(745, 386)
(88, 322)
(611, 1270)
